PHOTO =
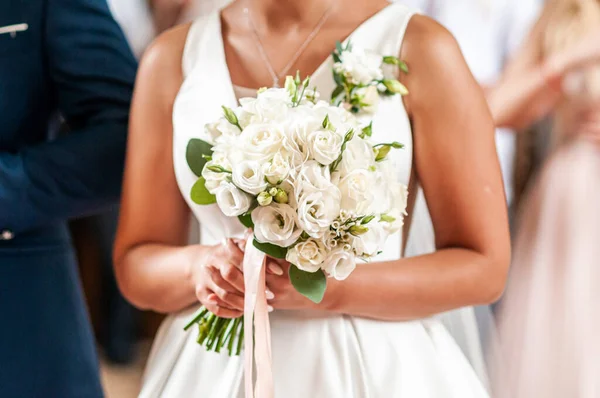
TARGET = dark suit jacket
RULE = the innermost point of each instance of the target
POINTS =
(67, 58)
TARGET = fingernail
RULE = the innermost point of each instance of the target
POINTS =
(270, 309)
(276, 269)
(212, 298)
(269, 294)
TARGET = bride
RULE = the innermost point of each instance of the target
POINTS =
(375, 334)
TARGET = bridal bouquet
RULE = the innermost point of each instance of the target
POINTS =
(304, 176)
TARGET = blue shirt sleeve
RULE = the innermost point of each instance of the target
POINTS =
(92, 72)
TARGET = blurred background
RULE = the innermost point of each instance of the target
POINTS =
(490, 33)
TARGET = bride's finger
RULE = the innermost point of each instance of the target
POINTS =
(234, 253)
(231, 274)
(273, 267)
(218, 280)
(227, 299)
(214, 305)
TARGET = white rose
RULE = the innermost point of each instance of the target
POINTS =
(232, 201)
(313, 177)
(260, 142)
(308, 255)
(278, 169)
(372, 242)
(339, 264)
(358, 155)
(248, 176)
(325, 146)
(276, 224)
(213, 180)
(317, 210)
(357, 191)
(369, 98)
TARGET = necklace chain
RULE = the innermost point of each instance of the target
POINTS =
(263, 54)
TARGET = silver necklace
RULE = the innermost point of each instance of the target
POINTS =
(263, 54)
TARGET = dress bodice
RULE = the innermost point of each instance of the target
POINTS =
(207, 86)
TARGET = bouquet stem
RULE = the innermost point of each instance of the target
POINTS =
(214, 332)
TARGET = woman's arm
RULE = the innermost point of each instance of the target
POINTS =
(528, 89)
(458, 168)
(155, 268)
(166, 13)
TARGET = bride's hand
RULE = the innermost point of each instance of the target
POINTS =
(281, 294)
(219, 279)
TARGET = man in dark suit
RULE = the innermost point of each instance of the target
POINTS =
(64, 58)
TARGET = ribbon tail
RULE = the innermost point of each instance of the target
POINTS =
(256, 326)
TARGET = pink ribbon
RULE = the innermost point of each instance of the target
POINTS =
(256, 314)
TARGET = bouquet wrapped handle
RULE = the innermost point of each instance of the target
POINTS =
(256, 323)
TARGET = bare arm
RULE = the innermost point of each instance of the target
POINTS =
(458, 168)
(527, 90)
(150, 257)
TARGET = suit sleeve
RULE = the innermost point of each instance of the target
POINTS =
(92, 72)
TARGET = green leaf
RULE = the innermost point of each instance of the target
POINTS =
(338, 47)
(246, 220)
(195, 155)
(367, 220)
(339, 79)
(336, 93)
(310, 285)
(200, 194)
(271, 250)
(367, 131)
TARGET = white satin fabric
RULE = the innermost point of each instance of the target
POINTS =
(315, 354)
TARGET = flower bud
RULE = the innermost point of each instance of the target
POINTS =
(395, 86)
(358, 230)
(264, 199)
(273, 191)
(281, 197)
(382, 152)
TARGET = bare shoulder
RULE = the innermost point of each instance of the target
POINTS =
(434, 59)
(427, 43)
(160, 67)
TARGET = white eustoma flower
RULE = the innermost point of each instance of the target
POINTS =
(277, 169)
(260, 142)
(313, 177)
(399, 199)
(360, 66)
(324, 146)
(317, 210)
(357, 191)
(249, 177)
(276, 224)
(340, 263)
(358, 155)
(213, 180)
(220, 128)
(372, 242)
(232, 201)
(308, 255)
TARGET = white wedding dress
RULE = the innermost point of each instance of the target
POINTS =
(315, 355)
